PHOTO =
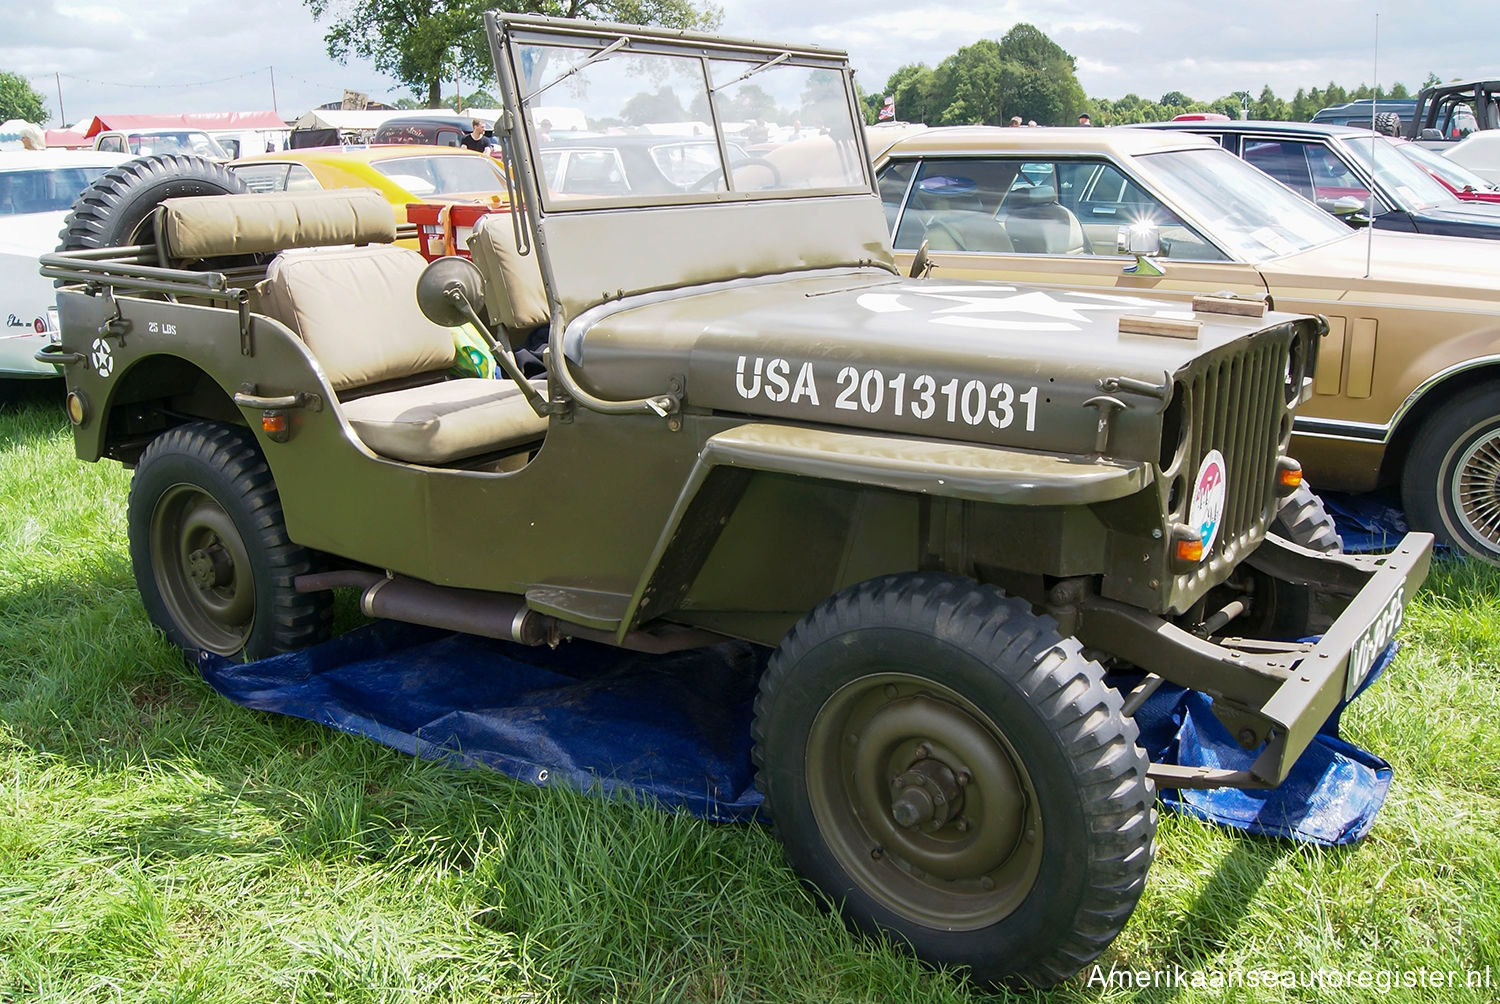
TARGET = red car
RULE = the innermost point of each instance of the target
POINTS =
(1452, 175)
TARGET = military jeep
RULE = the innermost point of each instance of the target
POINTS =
(951, 508)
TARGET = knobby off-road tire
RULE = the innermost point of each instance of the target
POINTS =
(1302, 519)
(950, 771)
(116, 209)
(1288, 609)
(1451, 482)
(210, 551)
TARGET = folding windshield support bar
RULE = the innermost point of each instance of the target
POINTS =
(751, 72)
(603, 53)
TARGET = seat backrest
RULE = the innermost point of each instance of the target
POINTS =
(356, 309)
(207, 226)
(1037, 224)
(961, 231)
(514, 294)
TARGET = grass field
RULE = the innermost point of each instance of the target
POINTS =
(158, 843)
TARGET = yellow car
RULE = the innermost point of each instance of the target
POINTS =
(401, 174)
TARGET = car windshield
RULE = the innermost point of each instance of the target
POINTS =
(1249, 214)
(1398, 175)
(42, 191)
(438, 174)
(1451, 171)
(793, 123)
(199, 143)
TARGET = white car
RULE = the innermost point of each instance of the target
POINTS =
(37, 188)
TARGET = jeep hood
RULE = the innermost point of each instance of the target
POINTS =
(984, 361)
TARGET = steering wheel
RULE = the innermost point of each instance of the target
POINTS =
(715, 177)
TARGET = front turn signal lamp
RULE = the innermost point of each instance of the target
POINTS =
(1288, 476)
(1187, 548)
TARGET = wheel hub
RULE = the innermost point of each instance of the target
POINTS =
(210, 567)
(928, 795)
(920, 795)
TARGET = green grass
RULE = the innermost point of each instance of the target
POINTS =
(158, 843)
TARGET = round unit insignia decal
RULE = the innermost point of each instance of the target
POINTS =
(1207, 508)
(100, 358)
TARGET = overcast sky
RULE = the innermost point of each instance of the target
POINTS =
(216, 55)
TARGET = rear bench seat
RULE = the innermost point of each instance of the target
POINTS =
(355, 308)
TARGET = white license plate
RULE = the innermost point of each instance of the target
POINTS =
(1373, 640)
(54, 330)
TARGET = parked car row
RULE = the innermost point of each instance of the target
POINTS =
(1414, 344)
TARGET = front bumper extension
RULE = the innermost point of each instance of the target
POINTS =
(1273, 695)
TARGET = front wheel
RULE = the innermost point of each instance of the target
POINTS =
(941, 762)
(1451, 482)
(209, 546)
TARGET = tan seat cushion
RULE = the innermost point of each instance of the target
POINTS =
(210, 225)
(513, 291)
(356, 308)
(1037, 224)
(445, 421)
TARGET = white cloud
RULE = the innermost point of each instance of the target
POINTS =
(174, 55)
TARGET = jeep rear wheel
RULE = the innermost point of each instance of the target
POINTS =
(942, 763)
(1451, 482)
(210, 551)
(116, 210)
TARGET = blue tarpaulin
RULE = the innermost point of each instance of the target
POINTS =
(1366, 523)
(676, 728)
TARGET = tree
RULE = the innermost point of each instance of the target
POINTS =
(1269, 106)
(966, 85)
(422, 43)
(19, 100)
(913, 87)
(1038, 79)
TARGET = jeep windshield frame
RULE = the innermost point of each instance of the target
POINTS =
(681, 87)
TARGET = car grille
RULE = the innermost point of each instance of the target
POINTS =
(1237, 402)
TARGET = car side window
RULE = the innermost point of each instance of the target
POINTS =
(1284, 160)
(1104, 198)
(892, 182)
(300, 179)
(953, 204)
(263, 177)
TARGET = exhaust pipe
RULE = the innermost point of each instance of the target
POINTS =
(490, 615)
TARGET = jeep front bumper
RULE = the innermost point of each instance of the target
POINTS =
(1272, 695)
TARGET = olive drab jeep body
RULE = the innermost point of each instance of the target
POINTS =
(952, 508)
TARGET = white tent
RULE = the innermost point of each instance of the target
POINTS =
(343, 121)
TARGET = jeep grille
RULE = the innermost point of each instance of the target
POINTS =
(1238, 402)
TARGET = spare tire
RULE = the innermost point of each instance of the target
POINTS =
(1388, 124)
(116, 209)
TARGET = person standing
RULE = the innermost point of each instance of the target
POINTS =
(477, 140)
(1084, 120)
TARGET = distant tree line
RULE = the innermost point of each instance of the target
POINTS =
(1028, 75)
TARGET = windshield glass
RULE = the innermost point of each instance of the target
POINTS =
(443, 175)
(199, 143)
(1249, 214)
(42, 191)
(1451, 171)
(657, 127)
(1410, 184)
